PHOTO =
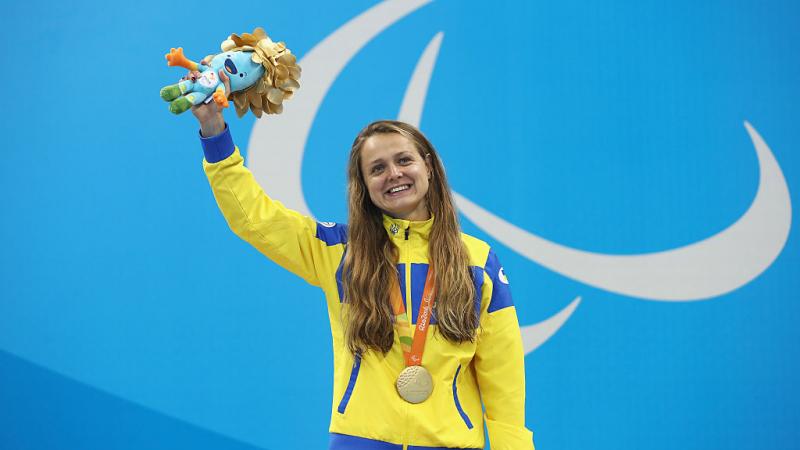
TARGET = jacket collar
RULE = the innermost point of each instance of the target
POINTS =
(397, 228)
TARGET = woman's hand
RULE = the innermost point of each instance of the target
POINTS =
(209, 114)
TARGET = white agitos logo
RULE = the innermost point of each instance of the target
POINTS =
(708, 268)
(501, 275)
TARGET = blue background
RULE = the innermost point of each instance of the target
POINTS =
(130, 317)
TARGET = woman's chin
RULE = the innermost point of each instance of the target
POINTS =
(405, 207)
(399, 207)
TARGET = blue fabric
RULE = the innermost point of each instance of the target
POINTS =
(501, 292)
(401, 280)
(331, 233)
(219, 147)
(458, 404)
(418, 274)
(345, 442)
(415, 447)
(350, 385)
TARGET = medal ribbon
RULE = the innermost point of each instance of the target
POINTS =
(413, 347)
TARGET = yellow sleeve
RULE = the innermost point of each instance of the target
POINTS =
(500, 364)
(283, 235)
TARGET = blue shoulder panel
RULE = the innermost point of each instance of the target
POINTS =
(331, 233)
(501, 293)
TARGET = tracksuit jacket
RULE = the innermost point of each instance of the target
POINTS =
(367, 412)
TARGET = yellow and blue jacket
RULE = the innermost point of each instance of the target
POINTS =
(475, 383)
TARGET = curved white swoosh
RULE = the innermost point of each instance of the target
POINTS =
(708, 268)
(411, 110)
(277, 143)
(414, 99)
(535, 335)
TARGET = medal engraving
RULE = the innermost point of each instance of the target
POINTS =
(414, 384)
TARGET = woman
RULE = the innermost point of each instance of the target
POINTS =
(400, 268)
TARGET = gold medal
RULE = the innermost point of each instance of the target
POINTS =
(414, 384)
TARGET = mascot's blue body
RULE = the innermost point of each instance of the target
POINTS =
(262, 74)
(238, 66)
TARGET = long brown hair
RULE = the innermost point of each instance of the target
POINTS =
(370, 259)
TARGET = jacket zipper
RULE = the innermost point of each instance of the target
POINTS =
(407, 260)
(409, 311)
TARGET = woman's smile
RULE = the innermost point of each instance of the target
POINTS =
(397, 191)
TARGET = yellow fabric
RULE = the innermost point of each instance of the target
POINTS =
(491, 368)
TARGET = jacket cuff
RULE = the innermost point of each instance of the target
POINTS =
(219, 147)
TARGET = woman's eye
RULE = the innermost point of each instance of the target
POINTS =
(405, 160)
(377, 169)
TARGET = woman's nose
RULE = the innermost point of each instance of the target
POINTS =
(394, 172)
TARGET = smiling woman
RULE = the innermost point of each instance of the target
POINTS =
(395, 172)
(398, 270)
(396, 175)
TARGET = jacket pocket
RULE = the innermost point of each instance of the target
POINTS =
(464, 416)
(350, 385)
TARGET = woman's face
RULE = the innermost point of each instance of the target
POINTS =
(396, 176)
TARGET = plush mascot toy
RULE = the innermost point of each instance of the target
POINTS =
(262, 74)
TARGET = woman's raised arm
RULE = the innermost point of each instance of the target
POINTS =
(296, 242)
